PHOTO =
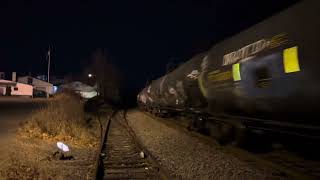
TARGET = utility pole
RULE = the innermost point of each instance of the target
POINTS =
(49, 57)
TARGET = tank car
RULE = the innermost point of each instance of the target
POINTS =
(264, 78)
(269, 73)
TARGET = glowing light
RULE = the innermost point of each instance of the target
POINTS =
(55, 89)
(89, 75)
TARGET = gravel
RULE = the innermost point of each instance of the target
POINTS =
(187, 157)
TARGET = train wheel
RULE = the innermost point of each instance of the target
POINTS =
(192, 124)
(259, 141)
(162, 114)
(195, 123)
(241, 136)
(254, 141)
(222, 132)
(154, 111)
(227, 134)
(159, 112)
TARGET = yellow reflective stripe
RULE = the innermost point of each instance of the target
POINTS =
(291, 60)
(236, 72)
(202, 86)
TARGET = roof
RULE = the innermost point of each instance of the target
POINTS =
(35, 78)
(78, 86)
(7, 83)
(10, 83)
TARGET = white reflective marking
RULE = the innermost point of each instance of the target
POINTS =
(63, 147)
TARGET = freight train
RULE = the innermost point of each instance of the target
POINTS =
(264, 79)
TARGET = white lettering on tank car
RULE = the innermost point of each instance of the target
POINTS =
(149, 89)
(162, 83)
(143, 99)
(194, 74)
(204, 64)
(172, 91)
(245, 52)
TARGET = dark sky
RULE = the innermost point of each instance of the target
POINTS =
(141, 36)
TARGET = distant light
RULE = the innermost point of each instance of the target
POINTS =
(55, 89)
(89, 75)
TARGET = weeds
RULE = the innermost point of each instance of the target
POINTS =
(62, 117)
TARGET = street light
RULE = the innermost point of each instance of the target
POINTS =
(92, 79)
(49, 58)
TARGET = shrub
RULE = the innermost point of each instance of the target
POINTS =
(63, 116)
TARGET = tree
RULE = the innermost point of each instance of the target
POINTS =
(106, 76)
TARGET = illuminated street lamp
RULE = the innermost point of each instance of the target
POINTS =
(89, 75)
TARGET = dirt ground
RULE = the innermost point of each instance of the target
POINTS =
(33, 159)
(28, 154)
(13, 111)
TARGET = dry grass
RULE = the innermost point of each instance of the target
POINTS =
(31, 159)
(17, 169)
(63, 118)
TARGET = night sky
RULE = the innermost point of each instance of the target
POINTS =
(140, 36)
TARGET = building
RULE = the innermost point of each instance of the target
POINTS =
(57, 80)
(54, 79)
(38, 85)
(2, 75)
(8, 75)
(12, 88)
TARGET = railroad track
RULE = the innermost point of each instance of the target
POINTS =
(122, 156)
(288, 164)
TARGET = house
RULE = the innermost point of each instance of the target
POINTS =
(12, 88)
(54, 79)
(2, 75)
(57, 80)
(8, 75)
(38, 85)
